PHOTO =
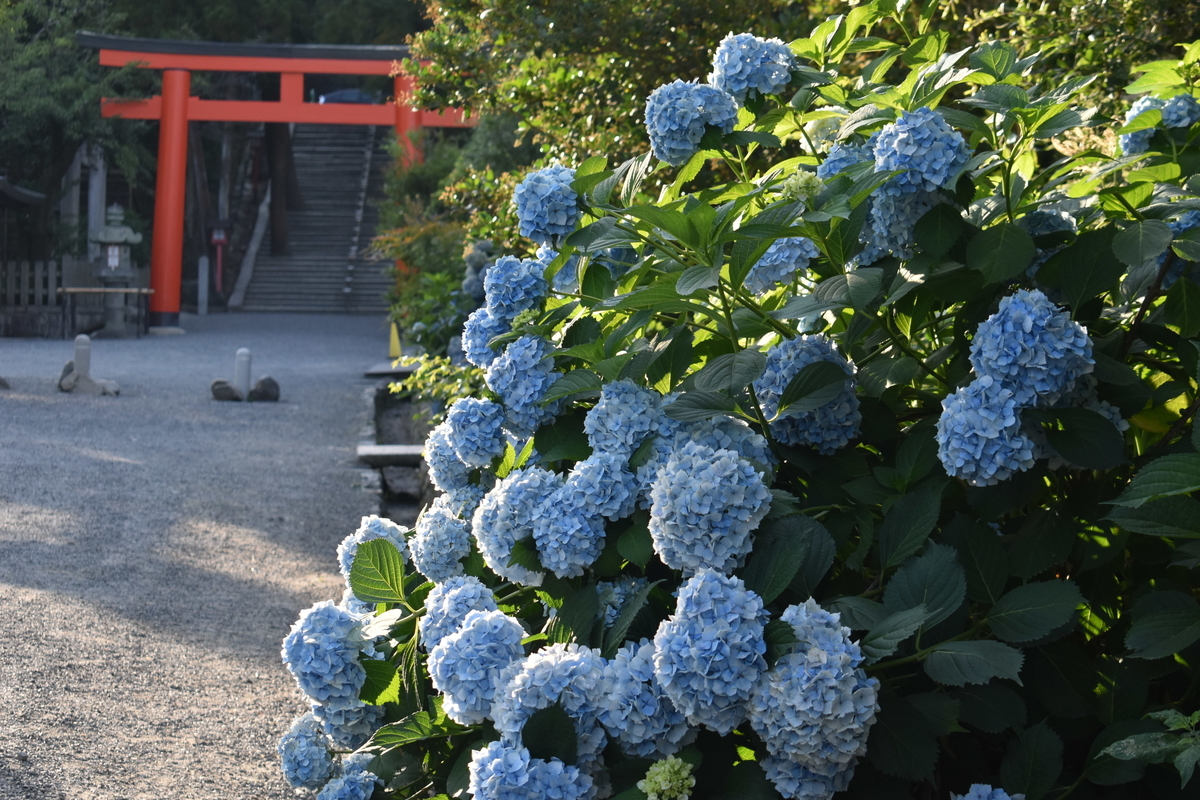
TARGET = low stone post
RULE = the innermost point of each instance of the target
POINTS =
(241, 371)
(83, 356)
(77, 373)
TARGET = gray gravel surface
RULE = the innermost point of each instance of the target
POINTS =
(156, 547)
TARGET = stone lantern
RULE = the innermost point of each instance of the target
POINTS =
(115, 269)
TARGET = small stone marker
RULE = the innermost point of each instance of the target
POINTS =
(76, 375)
(241, 371)
(265, 391)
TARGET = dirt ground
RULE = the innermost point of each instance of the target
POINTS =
(156, 547)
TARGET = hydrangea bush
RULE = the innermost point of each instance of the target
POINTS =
(868, 471)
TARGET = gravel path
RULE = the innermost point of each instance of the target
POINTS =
(156, 547)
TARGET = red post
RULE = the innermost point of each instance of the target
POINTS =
(408, 120)
(166, 257)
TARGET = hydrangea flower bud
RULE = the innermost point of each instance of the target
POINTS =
(668, 779)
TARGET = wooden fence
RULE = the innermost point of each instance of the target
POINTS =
(30, 303)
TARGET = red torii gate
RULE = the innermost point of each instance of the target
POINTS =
(177, 106)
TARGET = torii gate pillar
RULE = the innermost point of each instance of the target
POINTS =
(166, 259)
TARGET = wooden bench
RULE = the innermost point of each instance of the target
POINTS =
(68, 308)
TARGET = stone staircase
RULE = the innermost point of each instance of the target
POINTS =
(340, 169)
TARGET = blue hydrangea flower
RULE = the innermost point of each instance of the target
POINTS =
(1033, 347)
(800, 783)
(983, 791)
(507, 515)
(816, 706)
(1181, 111)
(708, 656)
(566, 280)
(925, 146)
(355, 607)
(634, 709)
(622, 418)
(677, 115)
(1138, 142)
(890, 224)
(613, 595)
(745, 66)
(321, 652)
(448, 604)
(979, 434)
(726, 433)
(547, 206)
(446, 469)
(479, 329)
(827, 428)
(465, 665)
(783, 259)
(841, 156)
(476, 430)
(568, 674)
(372, 527)
(355, 783)
(305, 755)
(705, 505)
(441, 543)
(603, 485)
(522, 376)
(513, 285)
(349, 728)
(502, 771)
(568, 531)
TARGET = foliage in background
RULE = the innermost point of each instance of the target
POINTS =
(438, 382)
(967, 370)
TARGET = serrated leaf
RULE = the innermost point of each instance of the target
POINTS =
(934, 580)
(1170, 475)
(1142, 241)
(960, 663)
(743, 138)
(697, 406)
(377, 573)
(1032, 762)
(382, 684)
(636, 545)
(1150, 118)
(902, 743)
(1182, 307)
(813, 386)
(1000, 252)
(1084, 268)
(995, 58)
(817, 561)
(1164, 633)
(576, 617)
(907, 525)
(1176, 517)
(1034, 610)
(883, 639)
(1081, 436)
(695, 278)
(780, 638)
(779, 549)
(991, 707)
(731, 372)
(982, 556)
(524, 554)
(858, 613)
(614, 637)
(550, 733)
(1187, 244)
(414, 728)
(938, 229)
(574, 382)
